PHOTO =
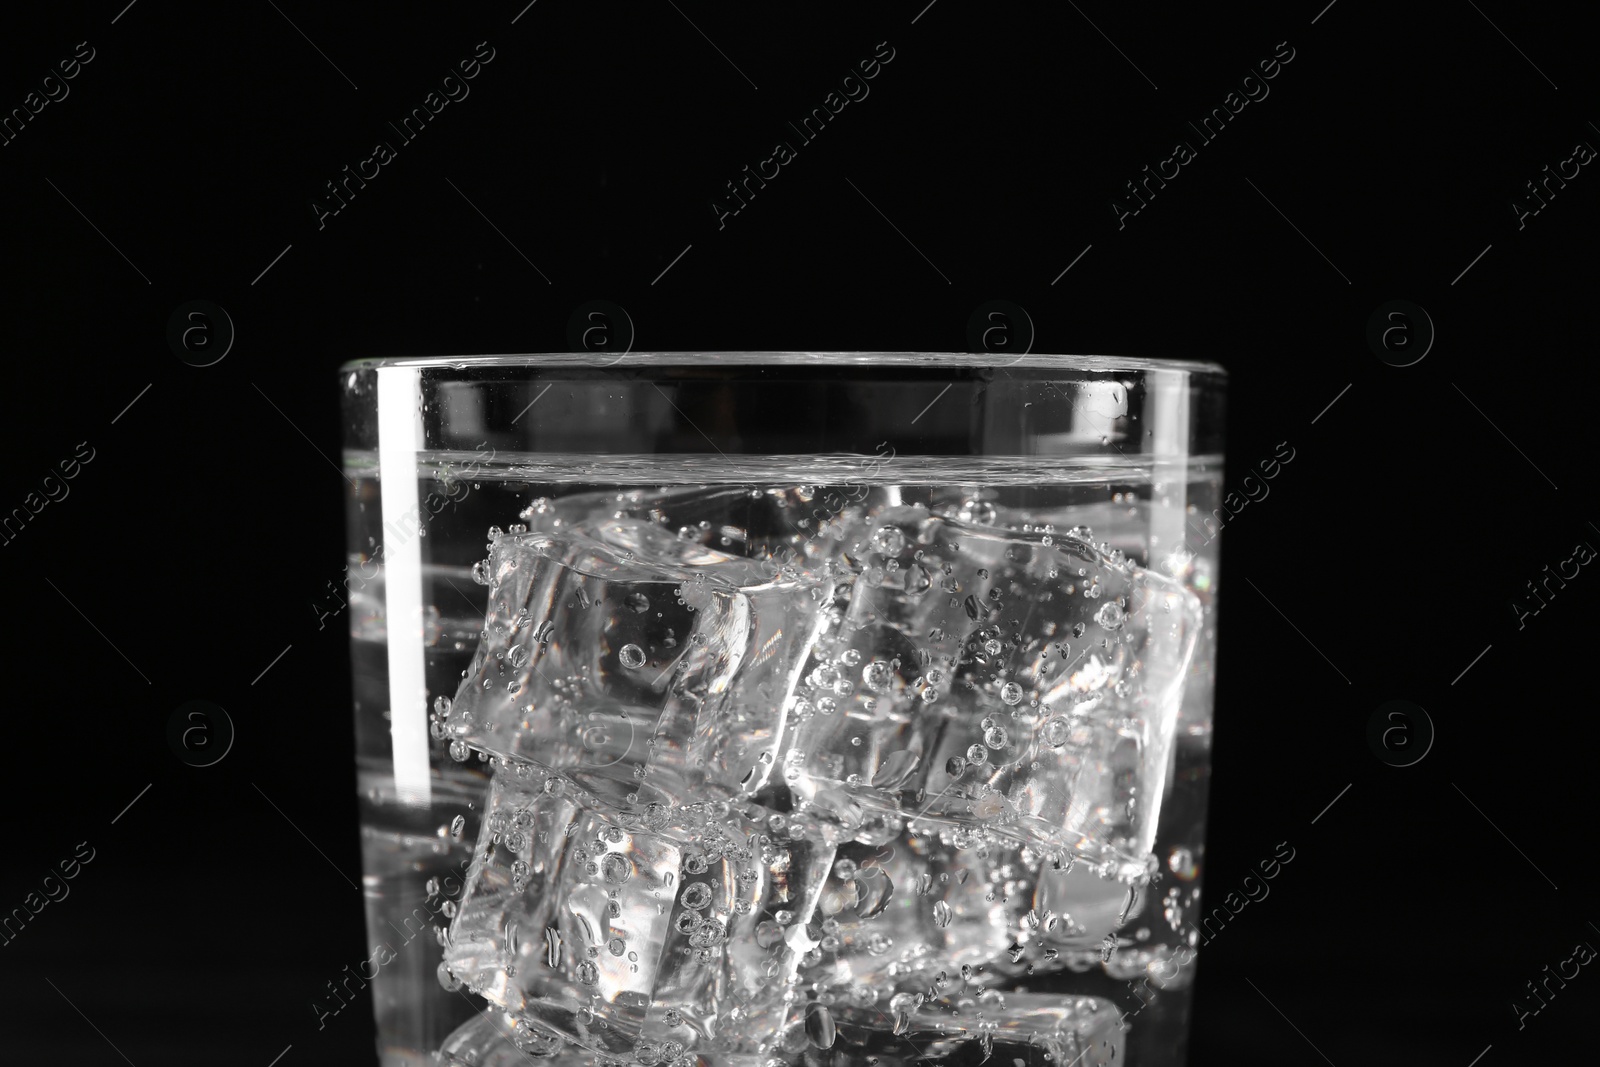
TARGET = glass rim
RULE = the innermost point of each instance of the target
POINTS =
(668, 359)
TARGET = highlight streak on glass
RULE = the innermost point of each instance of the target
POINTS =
(1169, 425)
(399, 438)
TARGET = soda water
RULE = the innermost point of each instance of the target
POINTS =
(825, 760)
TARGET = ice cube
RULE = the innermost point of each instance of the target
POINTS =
(795, 527)
(635, 661)
(932, 900)
(1055, 672)
(1079, 908)
(1011, 1029)
(676, 923)
(495, 1039)
(943, 901)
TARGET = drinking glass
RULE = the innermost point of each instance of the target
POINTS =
(769, 708)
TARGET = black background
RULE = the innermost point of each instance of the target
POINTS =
(1382, 166)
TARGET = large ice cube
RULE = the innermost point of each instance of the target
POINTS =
(796, 527)
(942, 900)
(635, 661)
(668, 924)
(495, 1039)
(967, 1029)
(1025, 683)
(929, 901)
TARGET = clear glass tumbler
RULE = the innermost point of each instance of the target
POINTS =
(759, 708)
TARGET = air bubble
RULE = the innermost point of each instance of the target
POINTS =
(891, 542)
(877, 675)
(616, 868)
(631, 657)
